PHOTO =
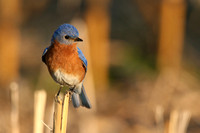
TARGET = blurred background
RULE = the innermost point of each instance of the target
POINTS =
(143, 56)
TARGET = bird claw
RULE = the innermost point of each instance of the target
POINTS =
(71, 90)
(57, 99)
(59, 91)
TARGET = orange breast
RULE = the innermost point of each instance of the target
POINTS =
(65, 58)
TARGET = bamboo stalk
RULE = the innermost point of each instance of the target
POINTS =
(65, 113)
(61, 114)
(57, 115)
(14, 107)
(173, 123)
(184, 122)
(98, 19)
(39, 109)
(172, 29)
(179, 121)
(10, 15)
(159, 119)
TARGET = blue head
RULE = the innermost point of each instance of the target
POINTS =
(66, 34)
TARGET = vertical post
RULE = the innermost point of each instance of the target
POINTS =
(98, 23)
(10, 15)
(173, 123)
(57, 115)
(14, 107)
(179, 121)
(39, 110)
(159, 119)
(172, 29)
(61, 114)
(184, 121)
(171, 40)
(65, 113)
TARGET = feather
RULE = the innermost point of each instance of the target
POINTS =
(82, 57)
(43, 55)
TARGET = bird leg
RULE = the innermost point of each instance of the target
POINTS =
(72, 89)
(59, 91)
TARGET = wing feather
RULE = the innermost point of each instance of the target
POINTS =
(44, 53)
(83, 59)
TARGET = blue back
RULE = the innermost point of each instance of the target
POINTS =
(82, 57)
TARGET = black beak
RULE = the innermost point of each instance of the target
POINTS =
(78, 39)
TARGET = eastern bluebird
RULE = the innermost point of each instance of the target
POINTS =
(66, 63)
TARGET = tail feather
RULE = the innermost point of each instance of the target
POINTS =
(84, 99)
(81, 99)
(76, 100)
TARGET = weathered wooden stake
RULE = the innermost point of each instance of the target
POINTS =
(14, 107)
(61, 114)
(39, 110)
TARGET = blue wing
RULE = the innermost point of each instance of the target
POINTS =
(44, 53)
(82, 57)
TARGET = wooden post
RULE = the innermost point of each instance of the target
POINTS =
(61, 114)
(65, 106)
(39, 110)
(159, 119)
(172, 29)
(57, 115)
(179, 121)
(10, 15)
(98, 23)
(14, 107)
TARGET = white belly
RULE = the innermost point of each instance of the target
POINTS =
(65, 79)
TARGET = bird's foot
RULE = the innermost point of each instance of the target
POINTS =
(71, 91)
(59, 91)
(57, 99)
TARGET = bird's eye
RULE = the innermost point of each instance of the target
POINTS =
(66, 37)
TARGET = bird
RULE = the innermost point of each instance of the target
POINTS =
(67, 64)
